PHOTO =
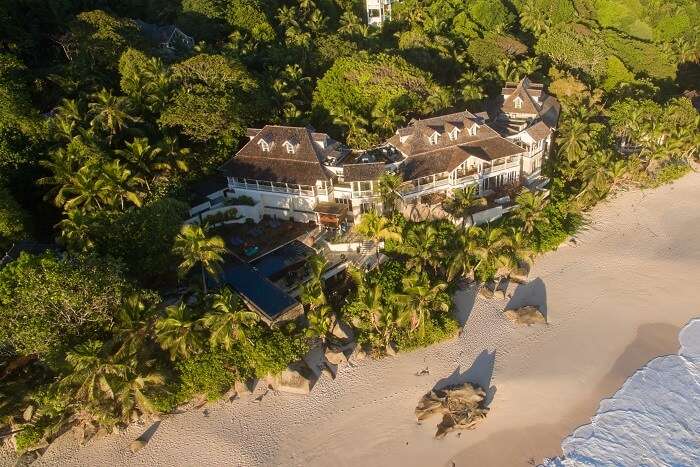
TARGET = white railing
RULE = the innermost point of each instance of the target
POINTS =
(427, 187)
(363, 194)
(499, 167)
(273, 189)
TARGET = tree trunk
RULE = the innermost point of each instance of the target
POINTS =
(204, 280)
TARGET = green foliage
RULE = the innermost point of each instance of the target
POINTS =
(648, 20)
(241, 200)
(669, 173)
(208, 374)
(271, 351)
(14, 222)
(47, 302)
(641, 57)
(357, 85)
(142, 238)
(28, 438)
(485, 53)
(616, 73)
(575, 46)
(491, 15)
(439, 328)
(561, 223)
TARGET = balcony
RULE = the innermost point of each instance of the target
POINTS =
(426, 188)
(271, 188)
(501, 166)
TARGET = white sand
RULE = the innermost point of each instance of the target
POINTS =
(614, 302)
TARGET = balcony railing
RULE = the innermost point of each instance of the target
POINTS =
(273, 189)
(501, 166)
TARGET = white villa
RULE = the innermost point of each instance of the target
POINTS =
(378, 11)
(300, 174)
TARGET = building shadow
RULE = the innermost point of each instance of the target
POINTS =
(480, 372)
(464, 303)
(534, 293)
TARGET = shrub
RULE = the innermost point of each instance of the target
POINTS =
(208, 374)
(441, 327)
(242, 200)
(668, 173)
(28, 438)
(271, 351)
(562, 224)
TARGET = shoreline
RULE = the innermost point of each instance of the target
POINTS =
(614, 301)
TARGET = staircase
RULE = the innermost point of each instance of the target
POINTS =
(367, 247)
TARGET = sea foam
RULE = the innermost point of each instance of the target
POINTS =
(654, 419)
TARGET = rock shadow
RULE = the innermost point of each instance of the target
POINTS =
(148, 434)
(464, 303)
(480, 372)
(533, 293)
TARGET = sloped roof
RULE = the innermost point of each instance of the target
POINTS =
(363, 172)
(539, 130)
(416, 135)
(303, 166)
(522, 91)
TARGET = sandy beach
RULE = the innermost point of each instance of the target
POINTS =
(614, 300)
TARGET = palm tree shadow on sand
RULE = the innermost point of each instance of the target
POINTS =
(480, 373)
(464, 304)
(533, 293)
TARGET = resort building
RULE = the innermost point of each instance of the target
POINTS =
(378, 11)
(526, 115)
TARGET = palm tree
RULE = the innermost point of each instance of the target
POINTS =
(420, 298)
(312, 292)
(177, 332)
(196, 249)
(62, 166)
(86, 190)
(518, 247)
(462, 259)
(92, 373)
(470, 87)
(376, 228)
(420, 244)
(386, 119)
(491, 252)
(228, 319)
(110, 112)
(530, 209)
(132, 326)
(575, 136)
(131, 398)
(463, 202)
(320, 322)
(143, 158)
(75, 231)
(389, 184)
(173, 155)
(533, 19)
(120, 184)
(349, 23)
(597, 174)
(349, 119)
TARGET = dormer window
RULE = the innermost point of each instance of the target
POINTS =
(434, 138)
(518, 103)
(289, 147)
(473, 129)
(454, 134)
(264, 145)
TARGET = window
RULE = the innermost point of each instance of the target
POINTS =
(289, 147)
(264, 145)
(473, 129)
(518, 103)
(454, 134)
(434, 138)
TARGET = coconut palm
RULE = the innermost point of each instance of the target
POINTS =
(129, 394)
(518, 247)
(86, 189)
(132, 326)
(376, 228)
(420, 299)
(349, 23)
(575, 136)
(92, 373)
(531, 18)
(312, 292)
(119, 184)
(62, 167)
(597, 174)
(349, 119)
(492, 253)
(143, 158)
(530, 209)
(420, 244)
(75, 231)
(461, 258)
(320, 322)
(196, 249)
(177, 332)
(173, 155)
(109, 112)
(389, 184)
(386, 119)
(228, 320)
(463, 202)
